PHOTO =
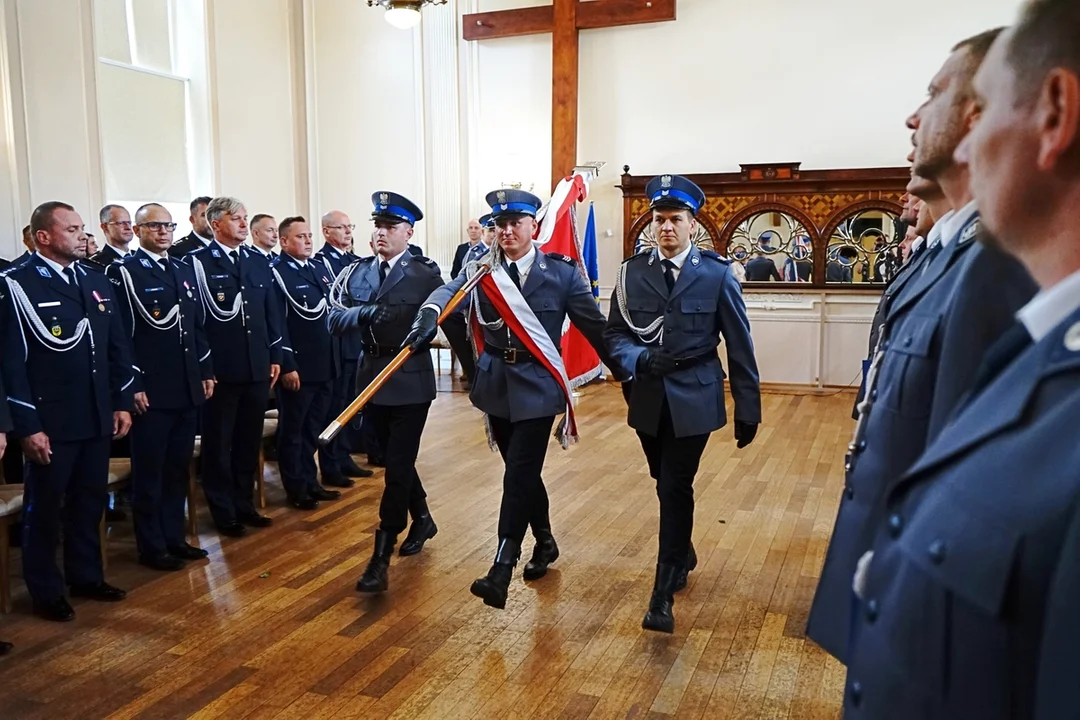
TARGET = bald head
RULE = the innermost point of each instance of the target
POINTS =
(337, 230)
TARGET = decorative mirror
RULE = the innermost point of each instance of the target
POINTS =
(647, 240)
(773, 247)
(864, 249)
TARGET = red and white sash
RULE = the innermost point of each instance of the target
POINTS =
(522, 321)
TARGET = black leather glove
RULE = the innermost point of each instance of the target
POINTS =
(655, 361)
(371, 313)
(744, 433)
(423, 329)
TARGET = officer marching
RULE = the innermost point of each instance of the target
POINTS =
(382, 296)
(162, 314)
(244, 329)
(67, 370)
(541, 290)
(669, 311)
(311, 362)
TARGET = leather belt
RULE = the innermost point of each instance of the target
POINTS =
(381, 350)
(684, 363)
(510, 356)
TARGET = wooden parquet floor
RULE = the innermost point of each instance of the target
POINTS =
(271, 627)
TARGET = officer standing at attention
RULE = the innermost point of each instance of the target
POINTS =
(519, 392)
(163, 316)
(67, 369)
(200, 236)
(310, 363)
(337, 466)
(244, 328)
(969, 600)
(5, 427)
(383, 295)
(936, 330)
(116, 227)
(670, 309)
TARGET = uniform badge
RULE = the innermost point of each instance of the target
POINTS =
(501, 196)
(543, 266)
(100, 301)
(384, 198)
(292, 264)
(1072, 338)
(55, 329)
(215, 253)
(145, 263)
(665, 181)
(695, 260)
(156, 312)
(404, 263)
(221, 297)
(43, 271)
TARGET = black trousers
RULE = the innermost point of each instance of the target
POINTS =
(333, 455)
(398, 428)
(673, 463)
(301, 417)
(454, 327)
(68, 493)
(523, 446)
(162, 442)
(232, 432)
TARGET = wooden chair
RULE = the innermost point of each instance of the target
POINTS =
(11, 505)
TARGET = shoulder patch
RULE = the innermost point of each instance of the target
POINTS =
(197, 251)
(367, 258)
(638, 256)
(558, 256)
(714, 256)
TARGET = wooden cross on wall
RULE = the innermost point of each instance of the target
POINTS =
(563, 20)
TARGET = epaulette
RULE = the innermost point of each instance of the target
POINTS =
(197, 251)
(558, 256)
(715, 256)
(367, 258)
(638, 256)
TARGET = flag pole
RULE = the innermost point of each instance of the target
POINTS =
(590, 171)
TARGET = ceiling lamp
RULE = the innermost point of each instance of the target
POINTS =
(404, 14)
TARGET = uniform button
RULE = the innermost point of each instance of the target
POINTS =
(885, 346)
(249, 332)
(907, 341)
(873, 394)
(856, 693)
(243, 288)
(849, 492)
(671, 308)
(937, 552)
(871, 611)
(896, 526)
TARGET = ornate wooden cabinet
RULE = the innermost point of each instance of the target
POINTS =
(834, 229)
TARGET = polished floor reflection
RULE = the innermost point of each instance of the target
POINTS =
(271, 627)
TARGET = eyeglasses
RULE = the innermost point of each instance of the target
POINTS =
(122, 223)
(341, 227)
(170, 226)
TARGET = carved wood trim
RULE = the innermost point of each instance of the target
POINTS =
(820, 199)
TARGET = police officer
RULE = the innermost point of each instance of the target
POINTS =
(455, 327)
(969, 598)
(201, 235)
(338, 467)
(669, 312)
(264, 236)
(243, 326)
(521, 393)
(116, 227)
(66, 366)
(163, 316)
(311, 361)
(383, 295)
(936, 330)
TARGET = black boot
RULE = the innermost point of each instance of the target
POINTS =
(374, 579)
(660, 617)
(492, 588)
(545, 552)
(691, 563)
(423, 529)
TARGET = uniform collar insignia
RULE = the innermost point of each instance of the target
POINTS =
(1072, 338)
(145, 262)
(292, 264)
(43, 271)
(215, 253)
(695, 259)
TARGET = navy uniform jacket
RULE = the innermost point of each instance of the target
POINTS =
(705, 305)
(336, 262)
(761, 268)
(171, 364)
(960, 616)
(5, 414)
(70, 396)
(553, 289)
(406, 287)
(105, 257)
(935, 333)
(246, 345)
(308, 347)
(186, 245)
(459, 258)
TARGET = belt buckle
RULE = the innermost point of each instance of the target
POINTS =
(510, 356)
(373, 351)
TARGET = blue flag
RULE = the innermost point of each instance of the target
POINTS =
(588, 254)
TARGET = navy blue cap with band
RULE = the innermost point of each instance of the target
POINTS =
(674, 192)
(487, 221)
(512, 202)
(392, 206)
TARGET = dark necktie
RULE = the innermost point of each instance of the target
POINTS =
(514, 275)
(1006, 349)
(69, 273)
(669, 274)
(164, 264)
(235, 256)
(931, 256)
(384, 269)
